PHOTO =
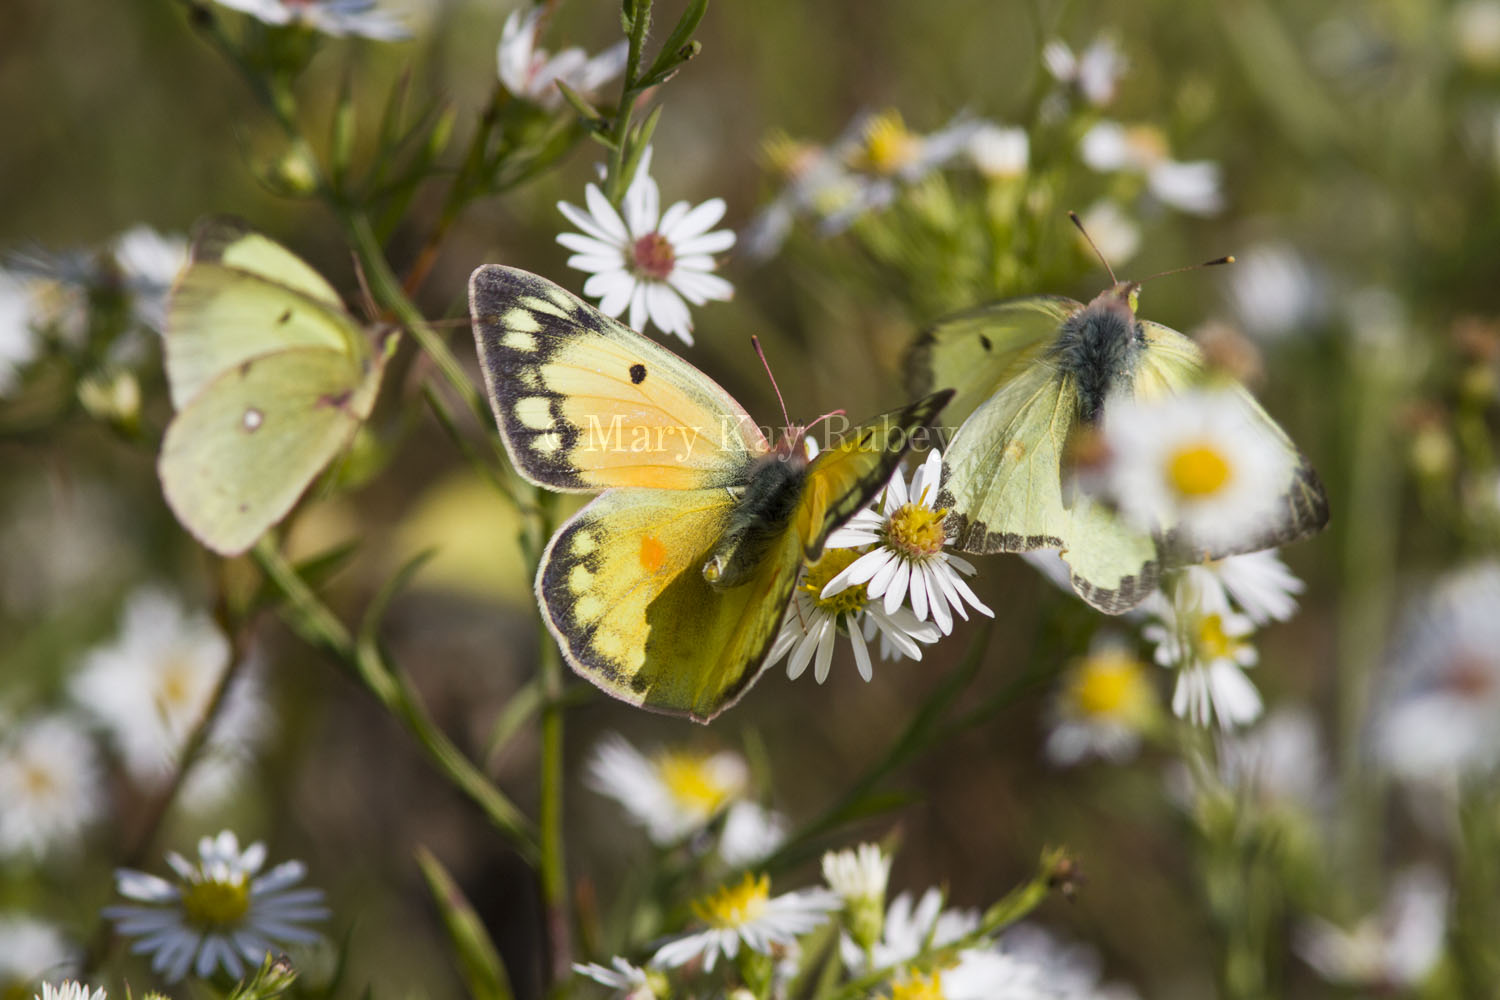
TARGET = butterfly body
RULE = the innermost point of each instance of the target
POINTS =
(667, 589)
(1029, 376)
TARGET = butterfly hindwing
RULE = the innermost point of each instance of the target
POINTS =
(236, 458)
(584, 403)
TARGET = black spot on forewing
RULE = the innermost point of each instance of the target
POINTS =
(637, 373)
(337, 400)
(984, 342)
(284, 318)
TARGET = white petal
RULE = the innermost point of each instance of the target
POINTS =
(697, 222)
(919, 583)
(896, 593)
(861, 654)
(589, 245)
(605, 217)
(699, 287)
(668, 311)
(638, 311)
(825, 652)
(883, 576)
(591, 226)
(709, 243)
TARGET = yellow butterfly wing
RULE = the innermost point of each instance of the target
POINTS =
(623, 590)
(235, 459)
(243, 295)
(584, 403)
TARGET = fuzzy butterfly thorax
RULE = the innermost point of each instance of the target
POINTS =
(764, 509)
(1099, 345)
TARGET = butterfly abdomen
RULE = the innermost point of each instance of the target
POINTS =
(760, 517)
(1098, 346)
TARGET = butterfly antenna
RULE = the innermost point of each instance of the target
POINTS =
(1094, 247)
(1190, 267)
(755, 341)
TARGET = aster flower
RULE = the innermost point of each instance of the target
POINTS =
(746, 914)
(50, 786)
(1257, 583)
(1210, 652)
(859, 876)
(674, 792)
(813, 623)
(910, 927)
(1103, 706)
(751, 834)
(150, 687)
(149, 263)
(1095, 73)
(219, 913)
(999, 151)
(908, 557)
(630, 981)
(1275, 291)
(1198, 463)
(530, 72)
(1440, 693)
(1393, 950)
(30, 951)
(815, 182)
(1193, 186)
(70, 990)
(882, 154)
(338, 18)
(19, 343)
(648, 260)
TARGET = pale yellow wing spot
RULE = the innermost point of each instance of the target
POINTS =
(548, 443)
(521, 321)
(580, 579)
(535, 412)
(560, 309)
(584, 542)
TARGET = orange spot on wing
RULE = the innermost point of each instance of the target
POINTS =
(653, 553)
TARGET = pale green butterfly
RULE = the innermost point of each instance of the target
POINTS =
(270, 376)
(1029, 375)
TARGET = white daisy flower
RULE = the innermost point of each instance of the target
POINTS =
(859, 874)
(530, 72)
(648, 260)
(978, 974)
(1393, 950)
(1274, 290)
(1115, 233)
(1070, 971)
(1210, 652)
(674, 792)
(1257, 583)
(813, 623)
(1278, 762)
(1105, 704)
(999, 151)
(815, 182)
(751, 834)
(906, 530)
(149, 689)
(631, 981)
(1193, 187)
(1441, 690)
(50, 784)
(149, 263)
(882, 154)
(70, 990)
(1095, 74)
(338, 18)
(1199, 463)
(219, 913)
(747, 914)
(31, 951)
(19, 343)
(908, 929)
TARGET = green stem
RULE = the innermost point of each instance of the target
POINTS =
(554, 875)
(614, 178)
(318, 625)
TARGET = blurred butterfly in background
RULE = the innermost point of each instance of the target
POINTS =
(1034, 378)
(270, 377)
(668, 588)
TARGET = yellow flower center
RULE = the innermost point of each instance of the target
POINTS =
(1198, 470)
(916, 531)
(847, 601)
(177, 688)
(1213, 642)
(731, 906)
(888, 144)
(37, 780)
(919, 988)
(1110, 684)
(787, 156)
(692, 781)
(212, 904)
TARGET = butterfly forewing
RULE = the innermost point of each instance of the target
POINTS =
(584, 403)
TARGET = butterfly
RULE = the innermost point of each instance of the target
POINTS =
(1032, 376)
(270, 377)
(668, 588)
